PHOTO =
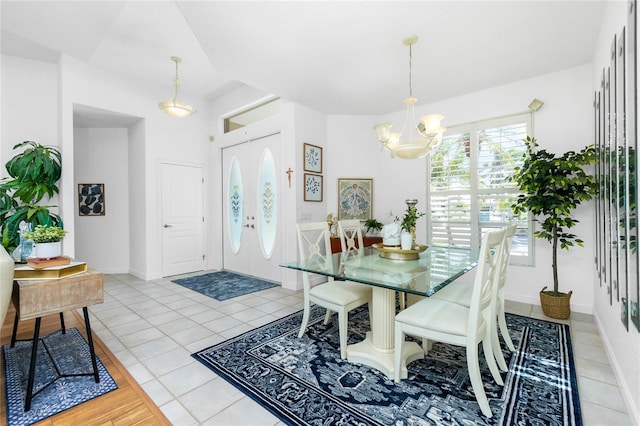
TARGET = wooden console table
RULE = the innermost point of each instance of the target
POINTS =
(367, 241)
(37, 298)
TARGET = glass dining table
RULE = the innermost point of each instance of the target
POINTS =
(435, 268)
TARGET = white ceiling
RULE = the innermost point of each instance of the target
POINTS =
(338, 57)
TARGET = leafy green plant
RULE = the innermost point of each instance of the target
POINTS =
(552, 187)
(33, 175)
(46, 234)
(409, 220)
(373, 225)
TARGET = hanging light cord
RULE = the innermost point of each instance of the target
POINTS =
(176, 82)
(410, 66)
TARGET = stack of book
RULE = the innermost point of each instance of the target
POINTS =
(37, 263)
(53, 268)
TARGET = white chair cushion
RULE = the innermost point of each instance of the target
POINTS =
(341, 292)
(437, 315)
(456, 292)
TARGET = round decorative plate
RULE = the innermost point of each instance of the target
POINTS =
(396, 253)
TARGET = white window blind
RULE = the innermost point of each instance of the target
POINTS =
(469, 191)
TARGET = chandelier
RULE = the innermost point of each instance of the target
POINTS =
(420, 137)
(173, 106)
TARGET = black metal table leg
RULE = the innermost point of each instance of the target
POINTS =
(32, 366)
(90, 341)
(64, 329)
(15, 330)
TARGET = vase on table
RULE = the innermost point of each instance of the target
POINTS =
(406, 241)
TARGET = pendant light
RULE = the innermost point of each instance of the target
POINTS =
(173, 106)
(420, 137)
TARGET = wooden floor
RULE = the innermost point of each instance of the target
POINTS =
(127, 405)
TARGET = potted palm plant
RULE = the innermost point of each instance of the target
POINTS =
(552, 187)
(33, 176)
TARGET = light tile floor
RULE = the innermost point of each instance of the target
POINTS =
(154, 326)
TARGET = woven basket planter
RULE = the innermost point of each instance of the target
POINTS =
(558, 307)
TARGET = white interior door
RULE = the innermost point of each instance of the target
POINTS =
(182, 219)
(251, 218)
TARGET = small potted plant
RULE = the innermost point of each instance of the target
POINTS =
(373, 226)
(48, 240)
(552, 187)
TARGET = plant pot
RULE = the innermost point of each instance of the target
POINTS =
(406, 241)
(553, 306)
(48, 250)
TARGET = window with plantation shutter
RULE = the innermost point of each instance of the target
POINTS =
(469, 188)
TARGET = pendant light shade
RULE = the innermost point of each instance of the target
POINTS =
(173, 106)
(416, 139)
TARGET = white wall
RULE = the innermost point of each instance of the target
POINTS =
(103, 241)
(137, 212)
(29, 105)
(355, 153)
(310, 127)
(622, 346)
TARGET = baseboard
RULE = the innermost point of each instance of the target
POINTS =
(535, 300)
(109, 270)
(633, 410)
(139, 274)
(292, 285)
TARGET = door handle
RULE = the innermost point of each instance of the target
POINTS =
(167, 226)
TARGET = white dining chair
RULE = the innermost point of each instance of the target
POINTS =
(336, 296)
(443, 321)
(500, 309)
(460, 292)
(350, 233)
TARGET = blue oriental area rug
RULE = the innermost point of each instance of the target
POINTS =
(304, 381)
(224, 285)
(52, 393)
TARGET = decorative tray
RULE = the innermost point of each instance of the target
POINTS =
(396, 253)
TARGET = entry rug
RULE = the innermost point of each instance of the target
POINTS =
(304, 381)
(224, 285)
(71, 354)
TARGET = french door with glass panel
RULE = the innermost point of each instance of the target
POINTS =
(251, 220)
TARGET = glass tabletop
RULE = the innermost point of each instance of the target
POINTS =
(436, 267)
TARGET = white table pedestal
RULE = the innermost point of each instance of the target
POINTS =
(377, 350)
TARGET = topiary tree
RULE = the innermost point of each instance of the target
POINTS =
(553, 186)
(33, 174)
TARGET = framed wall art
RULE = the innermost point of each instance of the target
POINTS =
(312, 158)
(355, 198)
(91, 199)
(312, 187)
